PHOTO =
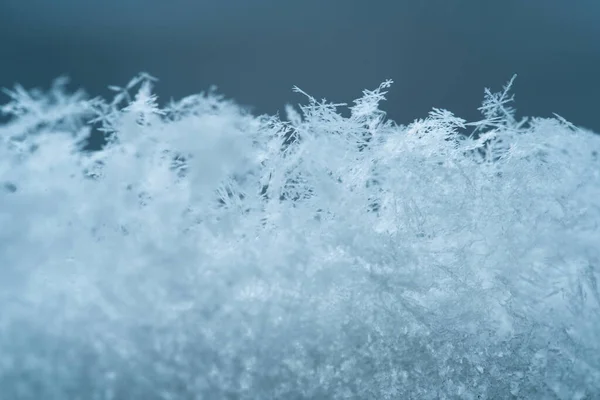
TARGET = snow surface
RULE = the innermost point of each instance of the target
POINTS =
(206, 253)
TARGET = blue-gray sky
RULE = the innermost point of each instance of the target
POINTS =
(440, 53)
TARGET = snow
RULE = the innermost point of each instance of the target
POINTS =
(208, 253)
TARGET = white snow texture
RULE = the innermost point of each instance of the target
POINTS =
(206, 253)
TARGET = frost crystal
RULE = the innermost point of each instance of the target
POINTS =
(203, 252)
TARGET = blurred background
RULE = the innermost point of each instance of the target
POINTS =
(440, 53)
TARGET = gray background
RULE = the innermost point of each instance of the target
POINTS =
(440, 53)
